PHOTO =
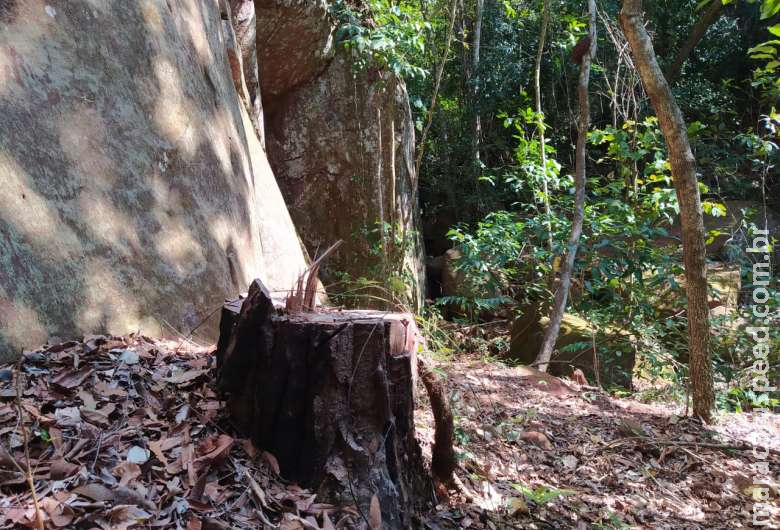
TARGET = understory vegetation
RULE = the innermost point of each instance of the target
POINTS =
(498, 197)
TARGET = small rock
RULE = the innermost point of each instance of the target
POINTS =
(6, 375)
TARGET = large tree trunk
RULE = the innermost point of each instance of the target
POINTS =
(684, 174)
(707, 19)
(562, 291)
(330, 395)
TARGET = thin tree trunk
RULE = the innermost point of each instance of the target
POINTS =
(707, 19)
(562, 292)
(476, 82)
(683, 167)
(436, 85)
(540, 119)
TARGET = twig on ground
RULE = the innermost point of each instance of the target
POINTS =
(25, 434)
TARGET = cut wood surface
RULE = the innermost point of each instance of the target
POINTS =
(331, 395)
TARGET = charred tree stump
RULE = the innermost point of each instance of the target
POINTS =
(331, 395)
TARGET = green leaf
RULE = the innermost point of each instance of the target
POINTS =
(769, 8)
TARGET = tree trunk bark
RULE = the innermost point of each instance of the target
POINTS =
(476, 80)
(686, 186)
(330, 395)
(707, 19)
(562, 292)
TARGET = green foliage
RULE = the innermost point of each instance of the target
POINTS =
(389, 274)
(391, 35)
(542, 495)
(628, 272)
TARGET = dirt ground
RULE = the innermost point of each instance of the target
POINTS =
(127, 432)
(539, 452)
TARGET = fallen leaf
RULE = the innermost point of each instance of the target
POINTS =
(137, 455)
(60, 514)
(537, 438)
(184, 377)
(113, 390)
(68, 416)
(127, 472)
(94, 491)
(183, 414)
(129, 357)
(99, 417)
(71, 378)
(327, 524)
(375, 514)
(215, 524)
(211, 523)
(516, 506)
(157, 451)
(216, 450)
(61, 469)
(273, 463)
(570, 462)
(88, 399)
(128, 496)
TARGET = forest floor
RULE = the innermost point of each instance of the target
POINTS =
(128, 433)
(540, 452)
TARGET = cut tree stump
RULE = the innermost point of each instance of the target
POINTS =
(331, 395)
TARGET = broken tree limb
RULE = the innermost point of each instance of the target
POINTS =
(443, 461)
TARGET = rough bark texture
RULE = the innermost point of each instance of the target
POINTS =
(707, 19)
(130, 173)
(562, 290)
(341, 142)
(330, 394)
(686, 186)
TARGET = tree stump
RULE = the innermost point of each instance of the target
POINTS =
(331, 395)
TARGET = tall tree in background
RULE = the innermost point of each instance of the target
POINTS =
(476, 81)
(540, 121)
(686, 186)
(562, 291)
(707, 19)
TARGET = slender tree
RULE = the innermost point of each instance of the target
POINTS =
(562, 290)
(436, 86)
(686, 186)
(540, 122)
(707, 19)
(476, 81)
